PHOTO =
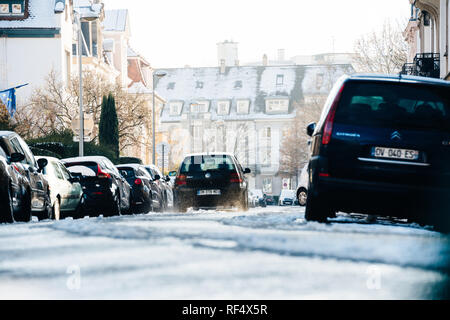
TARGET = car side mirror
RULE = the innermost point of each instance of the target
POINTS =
(157, 177)
(16, 157)
(310, 129)
(247, 170)
(74, 179)
(42, 163)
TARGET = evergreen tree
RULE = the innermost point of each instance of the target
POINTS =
(109, 125)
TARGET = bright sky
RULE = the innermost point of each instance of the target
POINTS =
(174, 33)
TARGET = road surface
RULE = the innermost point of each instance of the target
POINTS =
(265, 253)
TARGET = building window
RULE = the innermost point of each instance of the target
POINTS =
(243, 106)
(68, 69)
(280, 79)
(277, 105)
(13, 9)
(200, 107)
(266, 146)
(238, 84)
(223, 107)
(171, 86)
(319, 81)
(199, 85)
(175, 108)
(267, 185)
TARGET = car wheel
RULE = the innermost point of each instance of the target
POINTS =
(316, 209)
(24, 214)
(302, 196)
(79, 211)
(116, 209)
(244, 202)
(6, 208)
(57, 209)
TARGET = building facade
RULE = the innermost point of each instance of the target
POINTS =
(427, 34)
(35, 38)
(243, 110)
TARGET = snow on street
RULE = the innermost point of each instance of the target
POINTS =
(266, 253)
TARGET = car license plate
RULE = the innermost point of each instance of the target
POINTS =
(392, 153)
(208, 192)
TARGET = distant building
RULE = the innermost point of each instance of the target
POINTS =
(243, 110)
(428, 34)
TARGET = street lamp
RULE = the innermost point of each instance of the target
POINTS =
(79, 19)
(158, 74)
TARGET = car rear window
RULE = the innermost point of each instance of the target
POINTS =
(207, 163)
(88, 164)
(128, 170)
(399, 105)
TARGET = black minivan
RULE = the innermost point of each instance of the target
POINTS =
(382, 147)
(211, 181)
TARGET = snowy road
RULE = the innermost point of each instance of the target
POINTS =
(266, 253)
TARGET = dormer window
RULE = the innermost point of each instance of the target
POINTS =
(280, 79)
(12, 9)
(243, 106)
(223, 107)
(238, 84)
(277, 106)
(171, 86)
(199, 85)
(175, 108)
(200, 107)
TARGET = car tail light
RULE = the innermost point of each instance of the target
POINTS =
(235, 178)
(101, 174)
(181, 180)
(138, 182)
(328, 128)
(324, 175)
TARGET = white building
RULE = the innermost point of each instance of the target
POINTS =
(427, 34)
(242, 110)
(35, 38)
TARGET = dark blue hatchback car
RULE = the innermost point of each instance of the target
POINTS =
(382, 147)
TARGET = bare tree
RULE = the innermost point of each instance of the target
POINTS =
(53, 107)
(383, 51)
(294, 151)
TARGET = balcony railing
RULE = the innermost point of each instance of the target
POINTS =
(424, 65)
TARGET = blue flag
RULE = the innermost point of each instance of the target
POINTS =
(8, 98)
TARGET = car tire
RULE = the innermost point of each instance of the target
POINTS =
(244, 202)
(6, 208)
(25, 214)
(79, 211)
(116, 209)
(302, 196)
(316, 209)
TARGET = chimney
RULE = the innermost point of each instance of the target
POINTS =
(222, 66)
(281, 55)
(265, 62)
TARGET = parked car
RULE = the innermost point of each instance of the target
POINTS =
(260, 196)
(382, 147)
(143, 188)
(66, 194)
(269, 200)
(287, 197)
(105, 190)
(14, 202)
(302, 188)
(165, 193)
(36, 192)
(211, 181)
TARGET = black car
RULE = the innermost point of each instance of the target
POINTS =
(105, 190)
(382, 147)
(35, 191)
(163, 187)
(211, 181)
(13, 200)
(142, 187)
